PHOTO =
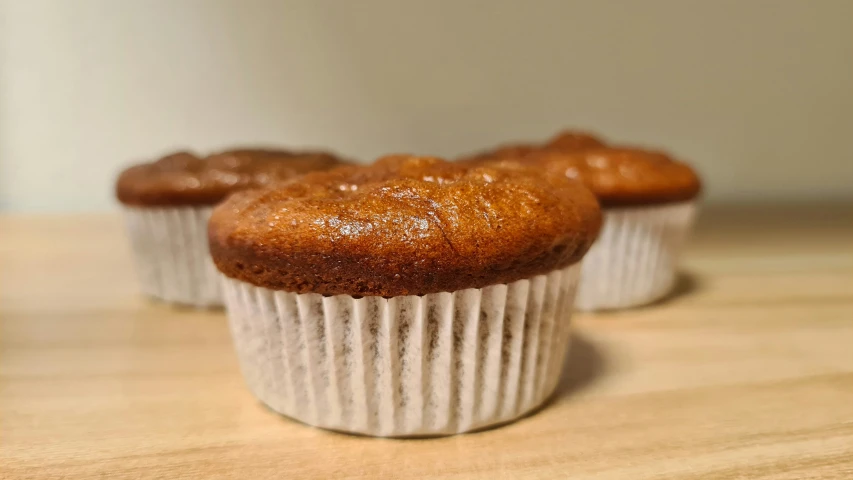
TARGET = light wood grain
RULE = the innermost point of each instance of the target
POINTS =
(746, 372)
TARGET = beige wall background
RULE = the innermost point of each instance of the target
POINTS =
(758, 94)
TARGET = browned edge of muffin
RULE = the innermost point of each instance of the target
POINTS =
(186, 179)
(404, 226)
(619, 176)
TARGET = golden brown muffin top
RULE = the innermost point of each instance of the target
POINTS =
(619, 176)
(183, 178)
(404, 226)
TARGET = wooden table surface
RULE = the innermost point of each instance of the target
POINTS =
(746, 372)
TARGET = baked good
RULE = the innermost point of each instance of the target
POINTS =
(183, 178)
(167, 204)
(649, 203)
(405, 226)
(621, 176)
(410, 297)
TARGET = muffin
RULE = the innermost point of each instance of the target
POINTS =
(167, 204)
(412, 297)
(649, 203)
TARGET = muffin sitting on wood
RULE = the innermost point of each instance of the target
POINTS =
(648, 200)
(410, 297)
(167, 204)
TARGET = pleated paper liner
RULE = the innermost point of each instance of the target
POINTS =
(436, 364)
(635, 259)
(170, 249)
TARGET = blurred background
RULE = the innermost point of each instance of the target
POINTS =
(756, 94)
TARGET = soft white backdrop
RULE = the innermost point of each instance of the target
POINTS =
(758, 94)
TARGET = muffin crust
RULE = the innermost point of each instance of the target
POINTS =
(621, 176)
(184, 178)
(404, 226)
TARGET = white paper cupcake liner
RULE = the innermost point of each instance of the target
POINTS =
(436, 364)
(635, 258)
(171, 253)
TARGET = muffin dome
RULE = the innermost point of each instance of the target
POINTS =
(622, 176)
(404, 226)
(618, 176)
(183, 178)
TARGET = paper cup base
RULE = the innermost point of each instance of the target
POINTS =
(170, 250)
(635, 259)
(408, 366)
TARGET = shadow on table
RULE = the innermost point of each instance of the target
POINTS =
(583, 365)
(686, 284)
(585, 362)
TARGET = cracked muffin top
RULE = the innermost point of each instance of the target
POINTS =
(618, 176)
(185, 179)
(404, 226)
